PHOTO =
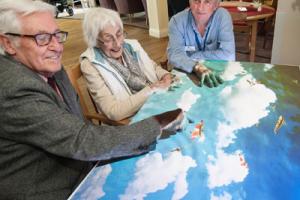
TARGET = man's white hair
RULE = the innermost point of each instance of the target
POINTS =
(95, 20)
(10, 10)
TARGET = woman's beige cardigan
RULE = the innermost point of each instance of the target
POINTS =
(106, 101)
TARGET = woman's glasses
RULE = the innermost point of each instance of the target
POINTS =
(110, 39)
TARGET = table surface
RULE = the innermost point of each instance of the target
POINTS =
(252, 13)
(239, 155)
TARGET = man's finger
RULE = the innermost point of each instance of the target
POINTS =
(208, 81)
(202, 79)
(214, 80)
(220, 80)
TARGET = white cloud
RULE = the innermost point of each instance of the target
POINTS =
(187, 100)
(232, 70)
(224, 196)
(245, 104)
(96, 182)
(225, 169)
(225, 135)
(154, 173)
(267, 67)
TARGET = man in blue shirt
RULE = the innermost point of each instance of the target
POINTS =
(204, 31)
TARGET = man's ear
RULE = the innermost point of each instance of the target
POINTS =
(7, 45)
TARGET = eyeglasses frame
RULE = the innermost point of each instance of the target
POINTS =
(35, 36)
(114, 38)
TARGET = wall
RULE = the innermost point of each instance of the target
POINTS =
(286, 43)
(158, 18)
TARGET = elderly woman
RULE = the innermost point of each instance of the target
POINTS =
(120, 75)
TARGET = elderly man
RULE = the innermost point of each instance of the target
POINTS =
(204, 31)
(46, 147)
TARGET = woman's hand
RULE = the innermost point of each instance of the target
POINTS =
(160, 85)
(164, 83)
(167, 78)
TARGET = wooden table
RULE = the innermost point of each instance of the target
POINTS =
(252, 19)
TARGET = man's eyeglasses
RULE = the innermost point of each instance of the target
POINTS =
(43, 39)
(110, 39)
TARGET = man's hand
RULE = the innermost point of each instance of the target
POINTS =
(206, 76)
(170, 122)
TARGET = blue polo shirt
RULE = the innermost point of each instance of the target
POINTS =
(187, 46)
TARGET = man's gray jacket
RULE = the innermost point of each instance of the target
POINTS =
(46, 147)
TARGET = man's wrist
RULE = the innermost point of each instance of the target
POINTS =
(199, 68)
(196, 68)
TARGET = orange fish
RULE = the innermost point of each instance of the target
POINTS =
(243, 161)
(195, 133)
(198, 131)
(279, 124)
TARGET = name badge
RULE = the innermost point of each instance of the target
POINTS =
(189, 48)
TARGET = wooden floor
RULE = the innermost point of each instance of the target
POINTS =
(75, 44)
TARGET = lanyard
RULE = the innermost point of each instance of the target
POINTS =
(205, 39)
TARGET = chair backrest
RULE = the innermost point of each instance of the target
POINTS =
(238, 16)
(129, 6)
(269, 24)
(146, 10)
(240, 25)
(110, 4)
(75, 75)
(176, 6)
(272, 3)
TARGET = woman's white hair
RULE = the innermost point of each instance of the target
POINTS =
(10, 10)
(95, 20)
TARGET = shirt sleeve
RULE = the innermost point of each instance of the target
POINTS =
(221, 34)
(176, 52)
(107, 102)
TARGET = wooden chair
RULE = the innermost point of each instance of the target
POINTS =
(146, 11)
(269, 23)
(109, 4)
(240, 25)
(164, 63)
(176, 6)
(129, 7)
(75, 75)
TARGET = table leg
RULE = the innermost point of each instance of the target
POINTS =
(253, 40)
